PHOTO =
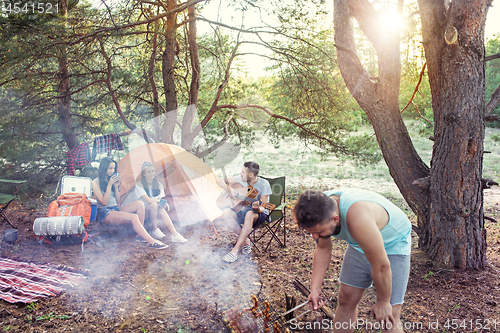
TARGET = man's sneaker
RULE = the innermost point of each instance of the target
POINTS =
(157, 245)
(246, 249)
(140, 239)
(178, 239)
(229, 257)
(157, 234)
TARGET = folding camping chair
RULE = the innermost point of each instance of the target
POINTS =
(6, 199)
(277, 216)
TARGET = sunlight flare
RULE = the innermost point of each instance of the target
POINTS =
(392, 22)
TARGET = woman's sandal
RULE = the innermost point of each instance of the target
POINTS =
(229, 257)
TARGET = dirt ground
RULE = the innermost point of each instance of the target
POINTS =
(186, 288)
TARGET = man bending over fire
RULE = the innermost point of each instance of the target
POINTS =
(378, 234)
(249, 216)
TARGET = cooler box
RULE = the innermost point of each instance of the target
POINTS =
(74, 184)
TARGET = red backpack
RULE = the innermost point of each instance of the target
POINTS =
(71, 204)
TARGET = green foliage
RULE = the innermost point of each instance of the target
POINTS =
(215, 53)
(32, 143)
(420, 128)
(412, 63)
(426, 275)
(8, 328)
(493, 73)
(309, 89)
(32, 306)
(29, 149)
(51, 316)
(306, 87)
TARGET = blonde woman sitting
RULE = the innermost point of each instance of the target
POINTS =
(149, 191)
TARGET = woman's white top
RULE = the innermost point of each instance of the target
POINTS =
(140, 191)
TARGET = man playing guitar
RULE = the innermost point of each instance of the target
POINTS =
(247, 217)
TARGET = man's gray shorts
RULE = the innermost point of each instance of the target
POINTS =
(356, 272)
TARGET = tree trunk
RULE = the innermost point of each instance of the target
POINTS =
(454, 48)
(380, 99)
(154, 90)
(64, 93)
(168, 71)
(450, 218)
(188, 135)
(64, 103)
(195, 59)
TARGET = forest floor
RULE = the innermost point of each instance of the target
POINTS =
(187, 288)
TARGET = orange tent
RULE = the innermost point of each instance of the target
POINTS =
(190, 185)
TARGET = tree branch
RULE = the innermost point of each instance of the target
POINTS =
(111, 90)
(178, 9)
(489, 218)
(200, 18)
(155, 3)
(493, 102)
(492, 117)
(415, 93)
(488, 183)
(214, 108)
(353, 73)
(82, 88)
(351, 52)
(416, 87)
(277, 116)
(218, 144)
(491, 57)
(368, 20)
(258, 33)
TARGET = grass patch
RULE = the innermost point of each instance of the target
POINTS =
(303, 163)
(400, 202)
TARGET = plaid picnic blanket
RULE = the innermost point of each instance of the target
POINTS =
(106, 143)
(78, 156)
(25, 281)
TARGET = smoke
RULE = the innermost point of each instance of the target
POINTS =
(206, 279)
(127, 278)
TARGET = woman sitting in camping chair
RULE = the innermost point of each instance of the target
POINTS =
(149, 191)
(106, 191)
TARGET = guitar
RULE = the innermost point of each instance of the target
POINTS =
(245, 196)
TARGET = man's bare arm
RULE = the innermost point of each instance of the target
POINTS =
(321, 262)
(225, 182)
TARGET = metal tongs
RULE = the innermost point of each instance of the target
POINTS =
(295, 308)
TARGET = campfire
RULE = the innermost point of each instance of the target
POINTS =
(257, 319)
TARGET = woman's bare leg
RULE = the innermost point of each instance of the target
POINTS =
(117, 218)
(136, 207)
(167, 221)
(131, 213)
(152, 212)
